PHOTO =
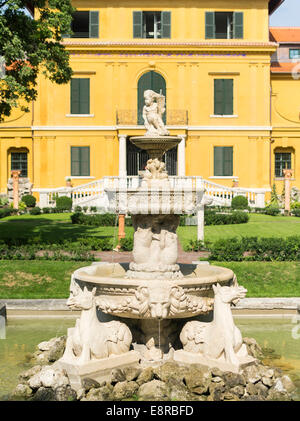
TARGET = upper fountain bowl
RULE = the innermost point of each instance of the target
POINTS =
(156, 146)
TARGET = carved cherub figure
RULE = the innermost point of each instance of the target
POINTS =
(152, 114)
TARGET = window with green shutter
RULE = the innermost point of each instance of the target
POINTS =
(151, 24)
(80, 161)
(223, 97)
(224, 25)
(223, 161)
(80, 96)
(85, 24)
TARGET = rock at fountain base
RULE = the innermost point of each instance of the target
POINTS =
(99, 370)
(186, 357)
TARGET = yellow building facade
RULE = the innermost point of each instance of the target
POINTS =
(212, 61)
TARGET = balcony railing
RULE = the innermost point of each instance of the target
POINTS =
(132, 118)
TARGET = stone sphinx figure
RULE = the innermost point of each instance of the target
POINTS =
(91, 339)
(219, 339)
(152, 114)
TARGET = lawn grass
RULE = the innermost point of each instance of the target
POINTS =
(51, 279)
(258, 226)
(51, 227)
(36, 279)
(267, 279)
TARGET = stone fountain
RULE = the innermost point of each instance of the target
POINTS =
(153, 309)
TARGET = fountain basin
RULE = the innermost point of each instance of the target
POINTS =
(118, 295)
(156, 146)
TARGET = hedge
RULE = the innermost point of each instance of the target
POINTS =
(4, 212)
(250, 249)
(215, 218)
(99, 220)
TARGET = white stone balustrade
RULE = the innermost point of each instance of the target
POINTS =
(93, 193)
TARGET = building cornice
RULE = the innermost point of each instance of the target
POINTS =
(137, 45)
(191, 128)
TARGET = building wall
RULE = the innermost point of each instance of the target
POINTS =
(189, 63)
(286, 123)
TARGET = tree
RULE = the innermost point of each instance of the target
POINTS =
(29, 46)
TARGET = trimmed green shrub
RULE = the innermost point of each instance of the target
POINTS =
(3, 201)
(29, 200)
(126, 244)
(100, 220)
(46, 210)
(4, 212)
(272, 210)
(226, 250)
(64, 203)
(78, 208)
(296, 212)
(239, 202)
(35, 211)
(256, 249)
(96, 244)
(215, 218)
(195, 245)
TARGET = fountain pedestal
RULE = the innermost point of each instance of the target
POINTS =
(150, 300)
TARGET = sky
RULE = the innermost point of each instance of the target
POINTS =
(288, 14)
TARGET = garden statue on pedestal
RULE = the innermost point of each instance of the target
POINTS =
(152, 114)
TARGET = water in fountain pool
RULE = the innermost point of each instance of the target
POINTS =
(23, 334)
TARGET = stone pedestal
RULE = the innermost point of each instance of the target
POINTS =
(99, 370)
(287, 189)
(15, 174)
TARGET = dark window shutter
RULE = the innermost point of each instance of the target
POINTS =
(94, 24)
(218, 160)
(137, 24)
(75, 95)
(223, 96)
(223, 161)
(84, 96)
(238, 25)
(165, 24)
(228, 161)
(218, 96)
(75, 161)
(80, 161)
(228, 96)
(85, 161)
(210, 30)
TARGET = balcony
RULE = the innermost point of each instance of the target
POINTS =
(132, 118)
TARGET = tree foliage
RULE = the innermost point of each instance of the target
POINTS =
(29, 46)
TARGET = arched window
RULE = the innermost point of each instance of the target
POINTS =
(19, 160)
(150, 80)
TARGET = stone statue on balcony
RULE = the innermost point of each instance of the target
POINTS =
(152, 114)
